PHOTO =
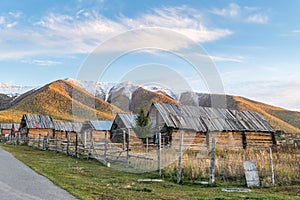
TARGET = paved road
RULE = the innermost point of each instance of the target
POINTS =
(18, 181)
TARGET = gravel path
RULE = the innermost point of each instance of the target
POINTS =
(18, 181)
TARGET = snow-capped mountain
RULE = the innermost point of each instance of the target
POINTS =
(98, 89)
(162, 90)
(121, 94)
(105, 90)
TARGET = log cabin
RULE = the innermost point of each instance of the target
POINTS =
(96, 129)
(9, 128)
(36, 126)
(231, 128)
(66, 130)
(122, 129)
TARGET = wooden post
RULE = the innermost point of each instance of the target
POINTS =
(272, 167)
(56, 144)
(127, 152)
(147, 141)
(44, 143)
(180, 157)
(90, 149)
(207, 139)
(76, 145)
(33, 143)
(67, 143)
(39, 141)
(105, 144)
(212, 162)
(124, 139)
(159, 154)
(84, 139)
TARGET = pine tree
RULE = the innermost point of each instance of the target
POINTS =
(143, 127)
(142, 119)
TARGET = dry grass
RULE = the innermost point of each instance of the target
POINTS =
(229, 165)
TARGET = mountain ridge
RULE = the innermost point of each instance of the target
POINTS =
(59, 98)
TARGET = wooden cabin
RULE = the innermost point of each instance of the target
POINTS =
(231, 128)
(66, 130)
(36, 125)
(96, 129)
(9, 128)
(122, 129)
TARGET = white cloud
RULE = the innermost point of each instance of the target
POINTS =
(237, 59)
(270, 69)
(10, 25)
(9, 20)
(2, 20)
(85, 30)
(42, 62)
(232, 10)
(15, 14)
(184, 20)
(243, 13)
(258, 18)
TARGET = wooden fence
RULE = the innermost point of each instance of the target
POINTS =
(208, 161)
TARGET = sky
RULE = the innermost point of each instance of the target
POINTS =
(254, 45)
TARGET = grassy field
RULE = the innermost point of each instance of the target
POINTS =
(89, 179)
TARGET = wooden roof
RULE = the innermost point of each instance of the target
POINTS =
(34, 121)
(125, 120)
(101, 125)
(203, 119)
(68, 126)
(9, 126)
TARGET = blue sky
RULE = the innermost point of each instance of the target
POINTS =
(254, 44)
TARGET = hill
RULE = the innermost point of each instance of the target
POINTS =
(59, 99)
(144, 98)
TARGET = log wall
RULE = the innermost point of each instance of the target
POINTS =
(37, 131)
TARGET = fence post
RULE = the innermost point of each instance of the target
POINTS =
(159, 154)
(147, 142)
(105, 144)
(207, 139)
(33, 142)
(67, 143)
(124, 139)
(39, 141)
(76, 144)
(212, 162)
(44, 143)
(56, 144)
(128, 147)
(180, 157)
(272, 167)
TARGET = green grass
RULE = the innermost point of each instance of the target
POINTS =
(89, 179)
